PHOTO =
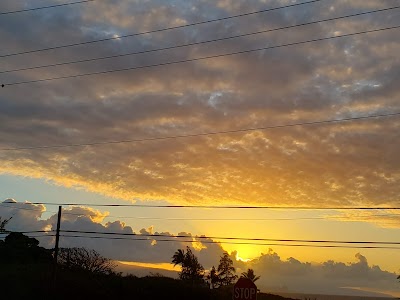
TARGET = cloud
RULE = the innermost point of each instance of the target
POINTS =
(337, 164)
(137, 246)
(386, 218)
(24, 216)
(292, 275)
(277, 274)
(75, 212)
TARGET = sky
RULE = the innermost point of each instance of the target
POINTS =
(329, 164)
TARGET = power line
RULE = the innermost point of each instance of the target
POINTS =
(233, 243)
(217, 242)
(237, 219)
(24, 208)
(221, 206)
(202, 237)
(138, 237)
(42, 235)
(36, 236)
(228, 219)
(210, 133)
(160, 29)
(204, 219)
(196, 43)
(28, 232)
(198, 58)
(201, 219)
(43, 7)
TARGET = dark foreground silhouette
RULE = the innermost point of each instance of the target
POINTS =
(26, 273)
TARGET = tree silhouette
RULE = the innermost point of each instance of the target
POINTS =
(213, 278)
(179, 257)
(249, 274)
(226, 270)
(191, 268)
(19, 248)
(3, 224)
(85, 260)
(19, 240)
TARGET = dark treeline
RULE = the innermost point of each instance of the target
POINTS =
(26, 272)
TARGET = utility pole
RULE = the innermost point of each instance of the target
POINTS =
(56, 247)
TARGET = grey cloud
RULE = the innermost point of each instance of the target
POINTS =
(24, 216)
(295, 275)
(335, 164)
(27, 217)
(328, 277)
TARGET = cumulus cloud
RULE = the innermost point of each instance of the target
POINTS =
(277, 274)
(119, 241)
(24, 216)
(292, 275)
(337, 164)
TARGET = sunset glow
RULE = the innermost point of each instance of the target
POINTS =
(268, 129)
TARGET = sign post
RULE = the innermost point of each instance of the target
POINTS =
(244, 289)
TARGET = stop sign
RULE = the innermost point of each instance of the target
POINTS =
(244, 289)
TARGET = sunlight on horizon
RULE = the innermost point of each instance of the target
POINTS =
(163, 266)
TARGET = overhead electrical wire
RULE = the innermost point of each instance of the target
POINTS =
(36, 236)
(234, 219)
(235, 243)
(13, 207)
(230, 242)
(210, 239)
(202, 237)
(220, 206)
(198, 58)
(43, 7)
(28, 232)
(248, 241)
(66, 212)
(210, 133)
(199, 219)
(216, 242)
(196, 43)
(42, 235)
(160, 29)
(29, 235)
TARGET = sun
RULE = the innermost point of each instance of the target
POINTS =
(239, 258)
(244, 253)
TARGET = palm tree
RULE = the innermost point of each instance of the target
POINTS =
(250, 275)
(191, 268)
(179, 257)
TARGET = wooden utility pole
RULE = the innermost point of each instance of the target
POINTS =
(56, 247)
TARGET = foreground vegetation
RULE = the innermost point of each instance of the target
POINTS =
(26, 272)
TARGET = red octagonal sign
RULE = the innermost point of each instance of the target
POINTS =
(244, 289)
